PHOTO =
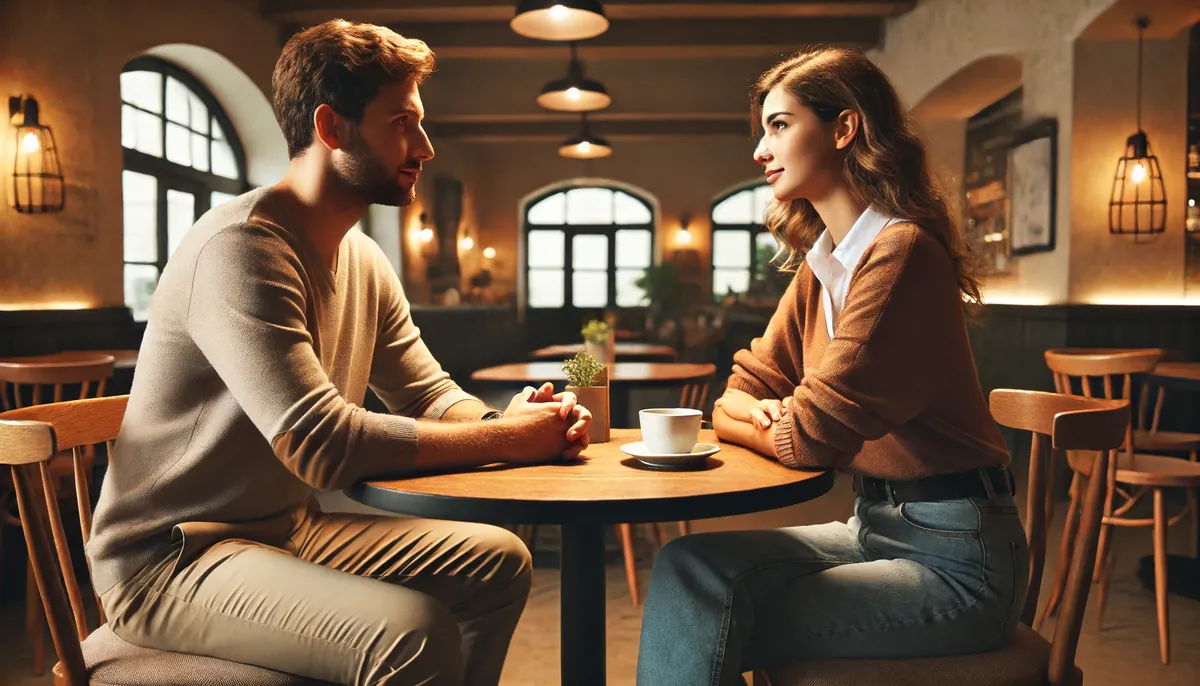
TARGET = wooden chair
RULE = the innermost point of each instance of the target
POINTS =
(1132, 476)
(1058, 422)
(693, 395)
(29, 439)
(29, 381)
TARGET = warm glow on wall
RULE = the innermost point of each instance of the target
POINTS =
(466, 243)
(1002, 298)
(1141, 300)
(48, 305)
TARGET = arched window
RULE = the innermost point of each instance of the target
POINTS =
(586, 247)
(741, 246)
(181, 157)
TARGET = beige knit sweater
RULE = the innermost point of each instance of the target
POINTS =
(249, 387)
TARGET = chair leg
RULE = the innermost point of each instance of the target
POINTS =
(626, 532)
(1160, 576)
(685, 528)
(1064, 555)
(656, 530)
(1195, 514)
(33, 622)
(1104, 560)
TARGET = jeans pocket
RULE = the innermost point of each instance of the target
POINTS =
(954, 518)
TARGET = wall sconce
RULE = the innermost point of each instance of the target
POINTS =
(684, 236)
(466, 243)
(1138, 204)
(425, 235)
(37, 179)
(489, 253)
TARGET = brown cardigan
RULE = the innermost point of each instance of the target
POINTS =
(895, 394)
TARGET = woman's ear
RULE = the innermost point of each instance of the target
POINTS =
(845, 129)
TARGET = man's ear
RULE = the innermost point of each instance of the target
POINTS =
(328, 128)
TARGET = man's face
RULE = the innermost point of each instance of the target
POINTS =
(383, 157)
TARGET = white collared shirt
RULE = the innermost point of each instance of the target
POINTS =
(834, 266)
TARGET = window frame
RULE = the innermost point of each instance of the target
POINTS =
(572, 230)
(172, 175)
(754, 229)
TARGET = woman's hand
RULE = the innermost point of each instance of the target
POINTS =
(744, 407)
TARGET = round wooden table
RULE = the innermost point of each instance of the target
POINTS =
(640, 373)
(605, 486)
(623, 351)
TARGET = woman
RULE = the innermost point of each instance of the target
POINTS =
(865, 368)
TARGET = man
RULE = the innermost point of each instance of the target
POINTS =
(267, 328)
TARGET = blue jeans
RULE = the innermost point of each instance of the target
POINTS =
(914, 580)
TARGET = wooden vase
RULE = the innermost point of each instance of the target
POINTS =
(595, 399)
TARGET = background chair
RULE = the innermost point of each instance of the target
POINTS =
(1058, 422)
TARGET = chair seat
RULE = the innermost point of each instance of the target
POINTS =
(113, 661)
(1141, 469)
(1166, 440)
(1025, 661)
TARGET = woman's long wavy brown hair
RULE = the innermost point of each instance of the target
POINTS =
(886, 167)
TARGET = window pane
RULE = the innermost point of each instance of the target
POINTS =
(763, 197)
(223, 162)
(181, 214)
(128, 126)
(628, 294)
(551, 210)
(630, 210)
(546, 288)
(198, 113)
(217, 131)
(589, 206)
(591, 289)
(142, 88)
(724, 280)
(149, 133)
(177, 102)
(219, 198)
(139, 200)
(140, 281)
(633, 248)
(547, 249)
(765, 244)
(736, 209)
(731, 248)
(179, 145)
(589, 251)
(200, 152)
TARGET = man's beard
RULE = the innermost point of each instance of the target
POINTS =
(364, 173)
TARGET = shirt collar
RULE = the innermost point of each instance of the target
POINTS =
(825, 259)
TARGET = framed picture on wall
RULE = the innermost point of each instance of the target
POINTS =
(1032, 187)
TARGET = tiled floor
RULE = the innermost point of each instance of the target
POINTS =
(1124, 653)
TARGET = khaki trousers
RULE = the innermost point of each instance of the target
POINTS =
(346, 598)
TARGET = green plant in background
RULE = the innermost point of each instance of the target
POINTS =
(669, 298)
(582, 369)
(596, 332)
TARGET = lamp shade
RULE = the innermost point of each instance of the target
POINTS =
(559, 20)
(1138, 204)
(37, 178)
(585, 145)
(574, 93)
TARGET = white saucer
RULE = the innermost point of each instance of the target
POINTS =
(699, 454)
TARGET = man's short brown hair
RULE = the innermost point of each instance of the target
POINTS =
(341, 64)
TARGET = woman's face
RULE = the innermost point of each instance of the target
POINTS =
(799, 153)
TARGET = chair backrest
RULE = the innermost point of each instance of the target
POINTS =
(1073, 367)
(1061, 422)
(24, 378)
(695, 395)
(29, 437)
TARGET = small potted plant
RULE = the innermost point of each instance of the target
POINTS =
(587, 378)
(600, 341)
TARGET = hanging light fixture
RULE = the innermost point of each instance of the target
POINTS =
(574, 93)
(1138, 204)
(585, 146)
(559, 20)
(37, 179)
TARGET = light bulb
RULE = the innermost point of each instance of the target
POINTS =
(466, 243)
(426, 235)
(489, 253)
(572, 93)
(30, 143)
(684, 237)
(584, 146)
(558, 13)
(1139, 173)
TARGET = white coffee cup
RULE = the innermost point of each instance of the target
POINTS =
(670, 431)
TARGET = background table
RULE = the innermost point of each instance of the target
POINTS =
(604, 487)
(624, 351)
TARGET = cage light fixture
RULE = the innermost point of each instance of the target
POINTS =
(1138, 203)
(37, 179)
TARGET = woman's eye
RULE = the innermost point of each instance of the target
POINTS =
(778, 125)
